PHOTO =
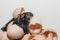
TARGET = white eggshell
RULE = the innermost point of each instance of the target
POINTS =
(17, 12)
(15, 32)
(35, 20)
(5, 36)
(1, 34)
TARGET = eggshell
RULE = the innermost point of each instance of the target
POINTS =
(17, 11)
(4, 37)
(15, 32)
(26, 37)
(35, 20)
(1, 34)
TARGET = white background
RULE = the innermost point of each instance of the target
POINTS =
(47, 10)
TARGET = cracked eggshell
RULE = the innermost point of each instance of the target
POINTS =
(17, 11)
(15, 32)
(35, 20)
(26, 37)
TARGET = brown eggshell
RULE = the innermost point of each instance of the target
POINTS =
(5, 36)
(1, 34)
(35, 26)
(17, 12)
(26, 37)
(35, 20)
(38, 37)
(15, 32)
(50, 34)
